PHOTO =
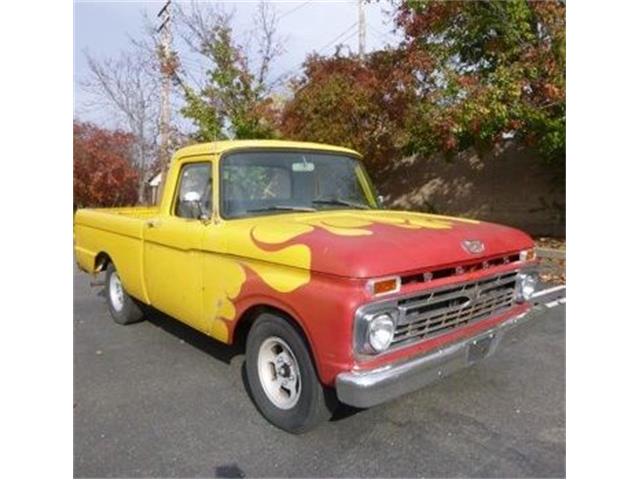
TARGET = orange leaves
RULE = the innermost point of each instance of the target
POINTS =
(552, 92)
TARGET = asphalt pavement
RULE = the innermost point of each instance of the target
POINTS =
(157, 399)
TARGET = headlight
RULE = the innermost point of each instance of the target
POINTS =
(525, 286)
(380, 332)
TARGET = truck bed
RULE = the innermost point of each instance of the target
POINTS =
(118, 231)
(125, 221)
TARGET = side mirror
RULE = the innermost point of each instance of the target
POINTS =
(193, 200)
(191, 197)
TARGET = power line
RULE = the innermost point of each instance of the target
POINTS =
(297, 7)
(320, 50)
(338, 38)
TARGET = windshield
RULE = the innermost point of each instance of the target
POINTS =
(268, 182)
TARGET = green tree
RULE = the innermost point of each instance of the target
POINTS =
(494, 70)
(235, 100)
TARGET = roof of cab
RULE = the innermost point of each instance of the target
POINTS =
(226, 145)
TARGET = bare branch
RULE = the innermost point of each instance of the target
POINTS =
(199, 25)
(127, 86)
(270, 46)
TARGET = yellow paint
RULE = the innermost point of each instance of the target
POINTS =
(365, 184)
(224, 146)
(344, 226)
(280, 279)
(225, 276)
(414, 222)
(222, 293)
(279, 232)
(355, 224)
(172, 267)
(285, 280)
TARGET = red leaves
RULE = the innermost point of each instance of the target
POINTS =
(449, 143)
(102, 171)
(416, 18)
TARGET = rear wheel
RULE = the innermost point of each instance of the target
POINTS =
(122, 307)
(282, 377)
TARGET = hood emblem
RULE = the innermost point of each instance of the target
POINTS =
(473, 246)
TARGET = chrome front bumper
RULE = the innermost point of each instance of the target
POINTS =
(372, 387)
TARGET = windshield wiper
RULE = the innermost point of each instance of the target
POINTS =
(282, 208)
(339, 201)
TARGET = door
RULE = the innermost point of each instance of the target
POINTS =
(173, 259)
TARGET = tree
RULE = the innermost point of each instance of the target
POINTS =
(102, 172)
(361, 104)
(494, 70)
(235, 98)
(128, 86)
(467, 74)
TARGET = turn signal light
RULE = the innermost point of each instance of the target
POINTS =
(527, 255)
(383, 286)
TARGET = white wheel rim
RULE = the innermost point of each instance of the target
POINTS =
(116, 294)
(279, 373)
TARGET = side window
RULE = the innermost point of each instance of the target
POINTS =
(194, 191)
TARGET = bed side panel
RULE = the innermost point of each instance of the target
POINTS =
(119, 236)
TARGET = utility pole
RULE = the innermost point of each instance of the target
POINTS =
(361, 29)
(165, 90)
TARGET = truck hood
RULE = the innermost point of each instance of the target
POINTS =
(365, 244)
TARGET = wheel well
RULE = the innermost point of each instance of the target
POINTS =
(247, 319)
(102, 262)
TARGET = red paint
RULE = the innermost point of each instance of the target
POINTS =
(340, 265)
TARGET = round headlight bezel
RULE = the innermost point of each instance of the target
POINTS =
(379, 325)
(526, 286)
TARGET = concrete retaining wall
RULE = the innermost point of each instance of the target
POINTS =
(508, 186)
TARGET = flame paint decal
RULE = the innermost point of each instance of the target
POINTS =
(262, 246)
(354, 225)
(223, 293)
(279, 279)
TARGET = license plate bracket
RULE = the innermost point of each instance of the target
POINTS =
(479, 349)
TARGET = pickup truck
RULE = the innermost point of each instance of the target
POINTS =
(285, 249)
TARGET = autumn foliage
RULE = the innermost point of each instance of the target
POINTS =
(495, 68)
(467, 74)
(362, 105)
(102, 171)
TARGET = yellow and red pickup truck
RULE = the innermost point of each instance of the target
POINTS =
(285, 248)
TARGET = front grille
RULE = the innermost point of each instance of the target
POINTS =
(439, 311)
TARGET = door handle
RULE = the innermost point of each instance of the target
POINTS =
(153, 223)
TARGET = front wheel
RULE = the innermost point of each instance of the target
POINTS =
(282, 378)
(123, 309)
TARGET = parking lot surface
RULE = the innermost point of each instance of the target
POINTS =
(157, 399)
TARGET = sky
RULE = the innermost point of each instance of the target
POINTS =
(104, 29)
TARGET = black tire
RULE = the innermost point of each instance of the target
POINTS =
(315, 403)
(129, 311)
